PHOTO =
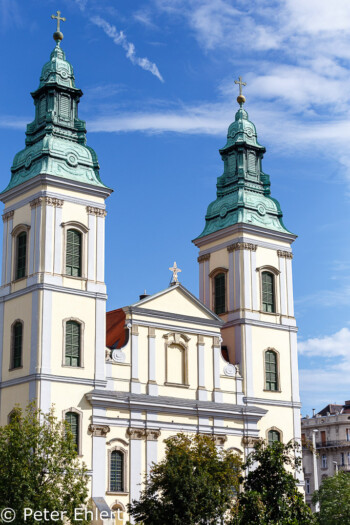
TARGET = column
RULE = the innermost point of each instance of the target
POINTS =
(99, 433)
(37, 249)
(152, 387)
(9, 217)
(57, 265)
(33, 205)
(100, 339)
(49, 235)
(201, 277)
(100, 245)
(136, 436)
(231, 279)
(216, 368)
(290, 300)
(6, 244)
(91, 267)
(283, 280)
(152, 436)
(248, 361)
(254, 277)
(237, 277)
(201, 391)
(135, 383)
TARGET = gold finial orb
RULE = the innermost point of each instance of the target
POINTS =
(241, 99)
(58, 36)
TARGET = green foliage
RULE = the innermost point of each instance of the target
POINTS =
(39, 467)
(194, 484)
(334, 499)
(270, 495)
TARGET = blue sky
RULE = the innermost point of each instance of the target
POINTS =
(157, 77)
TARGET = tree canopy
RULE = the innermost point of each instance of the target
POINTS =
(334, 498)
(39, 466)
(270, 494)
(193, 484)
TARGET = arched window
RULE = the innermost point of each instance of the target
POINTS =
(21, 254)
(271, 370)
(220, 293)
(268, 292)
(73, 421)
(17, 343)
(273, 436)
(73, 344)
(73, 253)
(117, 471)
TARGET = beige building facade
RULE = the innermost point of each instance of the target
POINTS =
(224, 364)
(326, 445)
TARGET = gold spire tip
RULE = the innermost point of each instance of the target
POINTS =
(58, 36)
(241, 97)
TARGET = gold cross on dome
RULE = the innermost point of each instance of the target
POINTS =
(59, 18)
(175, 271)
(241, 83)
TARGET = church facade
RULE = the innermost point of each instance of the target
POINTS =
(224, 364)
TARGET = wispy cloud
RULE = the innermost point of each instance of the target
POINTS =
(120, 39)
(144, 17)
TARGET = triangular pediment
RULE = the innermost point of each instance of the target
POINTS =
(179, 301)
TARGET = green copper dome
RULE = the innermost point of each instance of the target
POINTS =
(56, 139)
(243, 190)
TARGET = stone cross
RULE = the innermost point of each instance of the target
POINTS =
(241, 83)
(175, 271)
(58, 18)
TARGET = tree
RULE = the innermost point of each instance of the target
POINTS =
(194, 484)
(334, 499)
(39, 467)
(270, 495)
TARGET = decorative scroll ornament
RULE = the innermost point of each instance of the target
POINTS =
(99, 430)
(118, 356)
(230, 370)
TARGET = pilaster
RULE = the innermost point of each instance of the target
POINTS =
(201, 391)
(152, 387)
(135, 382)
(217, 395)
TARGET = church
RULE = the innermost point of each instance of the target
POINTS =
(224, 364)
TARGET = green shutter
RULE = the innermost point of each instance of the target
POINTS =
(73, 421)
(117, 471)
(73, 253)
(17, 345)
(219, 293)
(273, 436)
(268, 292)
(21, 255)
(271, 370)
(73, 342)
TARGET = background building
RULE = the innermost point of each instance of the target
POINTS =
(332, 439)
(224, 365)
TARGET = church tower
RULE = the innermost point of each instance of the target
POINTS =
(245, 276)
(53, 295)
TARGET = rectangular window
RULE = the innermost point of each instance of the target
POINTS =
(73, 421)
(271, 382)
(220, 293)
(342, 459)
(65, 106)
(117, 471)
(307, 486)
(73, 253)
(21, 255)
(72, 343)
(17, 345)
(324, 461)
(268, 292)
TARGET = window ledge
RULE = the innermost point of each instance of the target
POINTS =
(272, 391)
(19, 279)
(180, 385)
(81, 278)
(15, 368)
(108, 492)
(269, 313)
(72, 366)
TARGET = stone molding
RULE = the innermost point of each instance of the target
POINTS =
(151, 331)
(99, 430)
(134, 329)
(249, 441)
(92, 210)
(219, 439)
(242, 246)
(7, 216)
(143, 433)
(200, 339)
(36, 202)
(52, 201)
(282, 253)
(217, 341)
(204, 257)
